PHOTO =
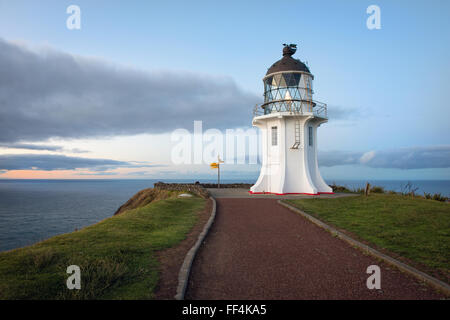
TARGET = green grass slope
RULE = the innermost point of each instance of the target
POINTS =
(117, 256)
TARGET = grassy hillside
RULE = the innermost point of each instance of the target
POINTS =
(417, 229)
(117, 256)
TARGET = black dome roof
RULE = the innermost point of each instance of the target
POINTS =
(287, 63)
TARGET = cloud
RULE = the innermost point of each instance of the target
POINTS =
(367, 157)
(31, 146)
(138, 173)
(45, 94)
(76, 150)
(338, 158)
(411, 158)
(402, 158)
(97, 174)
(40, 147)
(50, 162)
(337, 113)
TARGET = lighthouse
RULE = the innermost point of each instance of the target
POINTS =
(288, 120)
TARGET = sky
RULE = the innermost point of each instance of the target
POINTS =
(103, 101)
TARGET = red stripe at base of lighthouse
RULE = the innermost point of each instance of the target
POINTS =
(286, 194)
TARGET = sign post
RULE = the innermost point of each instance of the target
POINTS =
(216, 165)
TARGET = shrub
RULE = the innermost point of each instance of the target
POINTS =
(337, 188)
(376, 189)
(409, 189)
(436, 196)
(439, 197)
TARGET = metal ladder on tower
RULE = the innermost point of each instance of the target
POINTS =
(297, 135)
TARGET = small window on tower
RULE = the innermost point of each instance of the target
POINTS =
(310, 135)
(274, 136)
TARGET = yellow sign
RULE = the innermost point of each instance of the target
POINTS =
(214, 165)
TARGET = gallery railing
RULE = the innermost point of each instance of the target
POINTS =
(300, 107)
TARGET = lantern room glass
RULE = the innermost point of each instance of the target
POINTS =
(284, 91)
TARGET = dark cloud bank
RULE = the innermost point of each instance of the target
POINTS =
(55, 94)
(39, 147)
(48, 162)
(402, 158)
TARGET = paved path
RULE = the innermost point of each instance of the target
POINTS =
(258, 249)
(243, 193)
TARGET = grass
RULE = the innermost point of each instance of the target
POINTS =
(414, 228)
(117, 256)
(407, 190)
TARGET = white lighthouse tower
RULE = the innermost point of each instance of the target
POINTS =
(288, 119)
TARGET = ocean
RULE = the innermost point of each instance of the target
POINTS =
(35, 210)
